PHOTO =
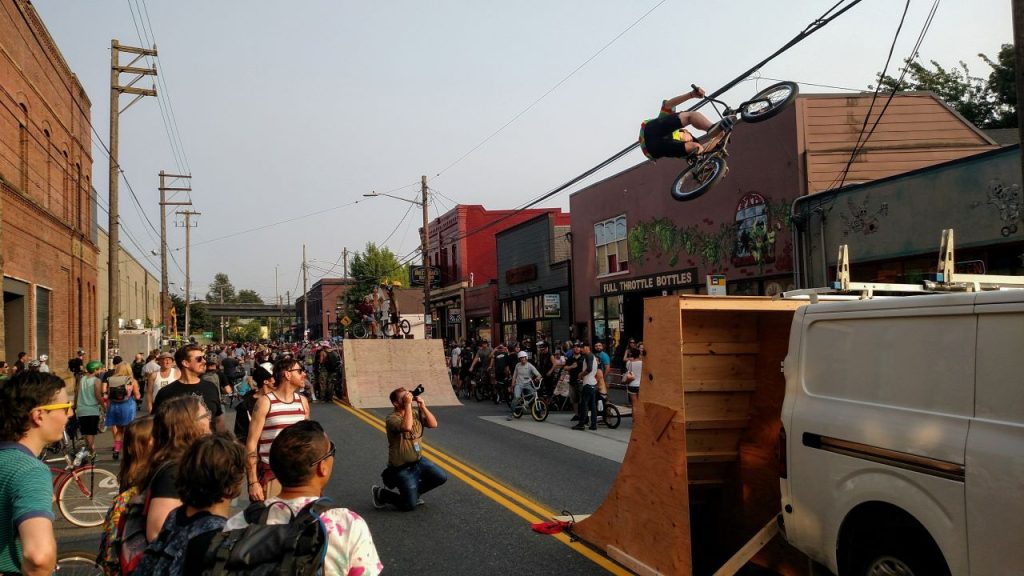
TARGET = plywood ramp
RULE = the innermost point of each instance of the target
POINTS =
(707, 420)
(373, 368)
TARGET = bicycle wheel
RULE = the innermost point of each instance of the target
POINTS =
(78, 563)
(86, 494)
(611, 416)
(698, 178)
(480, 392)
(518, 411)
(358, 330)
(539, 410)
(405, 327)
(769, 102)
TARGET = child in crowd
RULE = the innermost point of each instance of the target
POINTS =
(209, 476)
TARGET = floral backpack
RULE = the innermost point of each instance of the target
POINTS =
(108, 558)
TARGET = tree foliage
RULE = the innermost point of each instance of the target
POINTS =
(221, 289)
(986, 102)
(372, 267)
(246, 296)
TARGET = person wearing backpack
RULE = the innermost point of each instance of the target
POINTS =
(302, 457)
(209, 477)
(122, 392)
(88, 399)
(138, 447)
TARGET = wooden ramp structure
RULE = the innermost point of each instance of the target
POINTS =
(373, 368)
(700, 477)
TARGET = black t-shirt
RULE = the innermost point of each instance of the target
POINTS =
(242, 411)
(137, 370)
(75, 365)
(162, 484)
(500, 364)
(229, 366)
(208, 391)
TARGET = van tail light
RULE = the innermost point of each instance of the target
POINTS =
(783, 464)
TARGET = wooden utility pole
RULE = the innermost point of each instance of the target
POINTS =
(1018, 75)
(424, 247)
(116, 89)
(165, 303)
(188, 214)
(344, 262)
(305, 295)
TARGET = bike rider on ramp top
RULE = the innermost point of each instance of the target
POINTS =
(665, 136)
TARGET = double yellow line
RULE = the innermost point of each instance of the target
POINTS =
(517, 503)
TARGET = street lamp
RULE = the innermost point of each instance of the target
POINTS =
(424, 243)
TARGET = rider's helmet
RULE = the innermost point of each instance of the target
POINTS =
(43, 358)
(522, 354)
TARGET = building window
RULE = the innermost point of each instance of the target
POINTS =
(610, 239)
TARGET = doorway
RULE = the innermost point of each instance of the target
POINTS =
(15, 317)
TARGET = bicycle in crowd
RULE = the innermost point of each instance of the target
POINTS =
(395, 327)
(77, 563)
(705, 168)
(531, 401)
(83, 491)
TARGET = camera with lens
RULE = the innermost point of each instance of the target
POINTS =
(417, 391)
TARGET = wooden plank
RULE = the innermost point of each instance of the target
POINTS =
(713, 440)
(730, 385)
(716, 424)
(752, 547)
(692, 348)
(713, 456)
(822, 124)
(717, 406)
(630, 562)
(718, 367)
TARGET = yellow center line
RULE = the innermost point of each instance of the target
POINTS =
(508, 498)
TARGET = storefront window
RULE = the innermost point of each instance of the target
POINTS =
(610, 240)
(607, 314)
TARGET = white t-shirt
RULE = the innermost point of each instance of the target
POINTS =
(159, 381)
(349, 544)
(456, 357)
(150, 367)
(635, 367)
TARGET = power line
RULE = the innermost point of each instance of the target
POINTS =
(552, 89)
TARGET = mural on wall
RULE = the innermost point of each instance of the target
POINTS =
(746, 241)
(861, 219)
(1006, 200)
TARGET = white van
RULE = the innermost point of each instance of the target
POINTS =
(903, 434)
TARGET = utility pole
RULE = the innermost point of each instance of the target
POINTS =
(305, 295)
(424, 246)
(277, 296)
(116, 89)
(1018, 48)
(165, 304)
(222, 318)
(344, 262)
(188, 214)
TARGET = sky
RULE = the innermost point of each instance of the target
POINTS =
(286, 113)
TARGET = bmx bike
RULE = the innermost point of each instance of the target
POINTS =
(704, 169)
(532, 402)
(395, 328)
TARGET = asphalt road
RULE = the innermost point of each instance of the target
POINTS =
(479, 521)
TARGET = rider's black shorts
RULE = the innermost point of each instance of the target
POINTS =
(658, 137)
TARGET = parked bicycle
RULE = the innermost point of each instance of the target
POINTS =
(83, 492)
(706, 168)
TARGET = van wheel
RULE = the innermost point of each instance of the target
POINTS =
(891, 559)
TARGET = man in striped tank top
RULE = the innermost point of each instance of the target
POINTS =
(274, 412)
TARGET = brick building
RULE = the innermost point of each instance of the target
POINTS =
(462, 246)
(326, 300)
(48, 231)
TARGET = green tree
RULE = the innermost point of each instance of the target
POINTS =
(986, 103)
(372, 267)
(249, 332)
(247, 296)
(221, 288)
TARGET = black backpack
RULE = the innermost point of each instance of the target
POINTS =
(260, 549)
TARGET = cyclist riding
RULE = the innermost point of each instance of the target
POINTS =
(666, 136)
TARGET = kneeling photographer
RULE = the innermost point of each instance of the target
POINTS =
(408, 475)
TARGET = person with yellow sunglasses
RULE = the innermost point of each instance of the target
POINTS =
(34, 409)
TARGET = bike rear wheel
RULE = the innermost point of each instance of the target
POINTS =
(769, 102)
(86, 494)
(698, 178)
(358, 330)
(78, 563)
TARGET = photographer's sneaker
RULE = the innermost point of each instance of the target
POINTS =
(420, 502)
(375, 495)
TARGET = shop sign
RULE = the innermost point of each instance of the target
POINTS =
(552, 305)
(454, 316)
(716, 285)
(418, 275)
(521, 274)
(664, 281)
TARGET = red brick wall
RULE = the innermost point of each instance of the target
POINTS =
(46, 168)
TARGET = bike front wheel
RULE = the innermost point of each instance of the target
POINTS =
(769, 102)
(698, 178)
(539, 410)
(78, 564)
(86, 494)
(405, 327)
(611, 416)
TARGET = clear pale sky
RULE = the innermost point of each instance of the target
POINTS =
(289, 108)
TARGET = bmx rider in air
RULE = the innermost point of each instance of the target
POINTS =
(666, 136)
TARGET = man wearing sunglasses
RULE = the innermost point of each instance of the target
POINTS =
(274, 411)
(192, 362)
(34, 408)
